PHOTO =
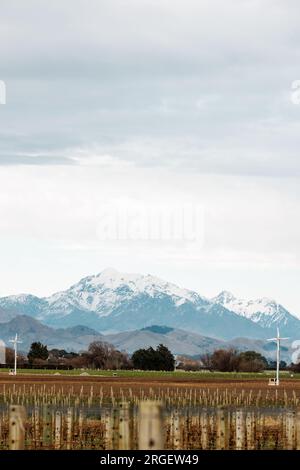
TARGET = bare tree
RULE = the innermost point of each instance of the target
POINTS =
(102, 355)
(10, 357)
(225, 360)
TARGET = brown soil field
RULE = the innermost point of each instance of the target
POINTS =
(77, 383)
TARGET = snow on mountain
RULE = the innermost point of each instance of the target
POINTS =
(265, 312)
(113, 302)
(21, 304)
(104, 291)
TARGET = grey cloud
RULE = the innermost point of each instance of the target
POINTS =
(204, 87)
(8, 160)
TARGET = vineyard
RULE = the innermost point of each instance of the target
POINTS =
(97, 417)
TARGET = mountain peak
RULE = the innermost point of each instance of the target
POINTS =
(133, 284)
(108, 273)
(115, 301)
(224, 297)
(263, 311)
(106, 291)
(114, 278)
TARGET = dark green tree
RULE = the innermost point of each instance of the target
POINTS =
(144, 359)
(151, 359)
(38, 351)
(252, 361)
(273, 364)
(165, 358)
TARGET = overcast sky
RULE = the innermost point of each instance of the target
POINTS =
(130, 106)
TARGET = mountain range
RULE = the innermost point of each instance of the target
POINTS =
(29, 329)
(113, 302)
(182, 342)
(78, 338)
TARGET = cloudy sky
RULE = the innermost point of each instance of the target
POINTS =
(128, 111)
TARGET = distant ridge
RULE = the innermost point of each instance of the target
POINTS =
(179, 341)
(112, 301)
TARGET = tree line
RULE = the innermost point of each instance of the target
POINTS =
(231, 360)
(101, 355)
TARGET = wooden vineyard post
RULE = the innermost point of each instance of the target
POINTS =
(30, 436)
(283, 429)
(80, 425)
(115, 428)
(124, 429)
(204, 429)
(298, 430)
(222, 430)
(175, 426)
(184, 426)
(17, 418)
(134, 428)
(57, 438)
(240, 430)
(47, 437)
(150, 435)
(211, 426)
(170, 426)
(250, 430)
(69, 428)
(108, 430)
(259, 425)
(229, 425)
(37, 426)
(290, 430)
(262, 421)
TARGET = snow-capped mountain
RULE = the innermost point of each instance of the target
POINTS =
(114, 302)
(110, 288)
(265, 312)
(21, 304)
